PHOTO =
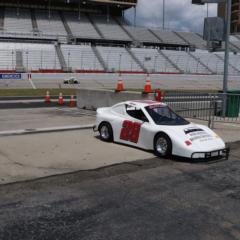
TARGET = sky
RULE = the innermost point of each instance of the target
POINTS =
(179, 14)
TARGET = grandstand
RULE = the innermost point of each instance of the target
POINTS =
(93, 36)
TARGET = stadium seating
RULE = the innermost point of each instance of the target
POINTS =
(8, 57)
(80, 57)
(185, 62)
(73, 37)
(216, 64)
(81, 28)
(141, 34)
(211, 60)
(234, 61)
(18, 22)
(35, 56)
(169, 37)
(109, 28)
(193, 39)
(50, 24)
(118, 59)
(153, 61)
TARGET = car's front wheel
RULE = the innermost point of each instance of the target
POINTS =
(162, 145)
(106, 132)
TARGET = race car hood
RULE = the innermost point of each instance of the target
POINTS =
(196, 137)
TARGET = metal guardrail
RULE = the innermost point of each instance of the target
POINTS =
(205, 106)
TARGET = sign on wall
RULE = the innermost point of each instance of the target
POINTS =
(14, 76)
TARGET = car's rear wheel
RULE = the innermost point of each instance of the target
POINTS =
(162, 145)
(106, 132)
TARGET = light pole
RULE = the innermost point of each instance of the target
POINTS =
(120, 62)
(79, 10)
(226, 60)
(12, 60)
(227, 34)
(163, 20)
(68, 59)
(207, 10)
(27, 60)
(155, 63)
(41, 64)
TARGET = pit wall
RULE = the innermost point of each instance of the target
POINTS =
(93, 99)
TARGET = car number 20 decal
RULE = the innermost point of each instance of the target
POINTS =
(130, 131)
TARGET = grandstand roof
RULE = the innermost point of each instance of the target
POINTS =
(118, 3)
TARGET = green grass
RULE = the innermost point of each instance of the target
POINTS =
(34, 92)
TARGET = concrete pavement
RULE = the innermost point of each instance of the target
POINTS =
(16, 119)
(32, 156)
(40, 155)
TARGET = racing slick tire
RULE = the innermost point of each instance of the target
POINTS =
(106, 132)
(162, 145)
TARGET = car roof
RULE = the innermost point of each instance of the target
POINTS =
(144, 103)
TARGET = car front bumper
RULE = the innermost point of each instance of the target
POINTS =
(214, 155)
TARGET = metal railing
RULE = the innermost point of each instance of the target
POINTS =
(205, 106)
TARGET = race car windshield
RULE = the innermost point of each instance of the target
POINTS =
(163, 115)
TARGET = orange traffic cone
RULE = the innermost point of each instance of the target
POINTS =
(148, 88)
(119, 84)
(47, 97)
(72, 102)
(60, 99)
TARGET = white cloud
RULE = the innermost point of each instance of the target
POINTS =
(180, 14)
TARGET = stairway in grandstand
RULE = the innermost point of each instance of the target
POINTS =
(2, 18)
(19, 61)
(61, 58)
(94, 25)
(65, 24)
(34, 21)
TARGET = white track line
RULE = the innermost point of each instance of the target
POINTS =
(32, 84)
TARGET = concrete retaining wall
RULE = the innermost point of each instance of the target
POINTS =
(93, 99)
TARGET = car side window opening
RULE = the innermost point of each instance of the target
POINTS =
(136, 113)
(163, 115)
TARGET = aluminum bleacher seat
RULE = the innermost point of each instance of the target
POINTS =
(194, 39)
(234, 60)
(118, 59)
(35, 56)
(17, 21)
(109, 28)
(153, 61)
(169, 37)
(185, 62)
(40, 56)
(234, 43)
(142, 34)
(81, 27)
(211, 60)
(52, 25)
(80, 57)
(8, 57)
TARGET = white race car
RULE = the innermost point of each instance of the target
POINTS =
(154, 126)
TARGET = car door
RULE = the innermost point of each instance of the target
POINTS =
(131, 128)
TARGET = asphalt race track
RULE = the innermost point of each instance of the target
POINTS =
(109, 80)
(148, 199)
